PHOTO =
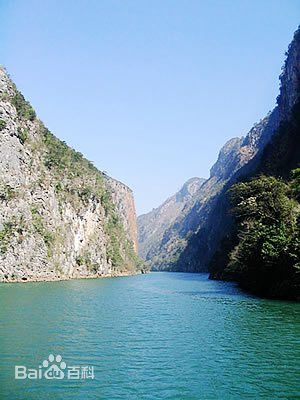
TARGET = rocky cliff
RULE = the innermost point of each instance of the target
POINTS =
(123, 199)
(176, 250)
(60, 217)
(192, 240)
(204, 245)
(152, 226)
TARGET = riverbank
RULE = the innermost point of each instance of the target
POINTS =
(56, 278)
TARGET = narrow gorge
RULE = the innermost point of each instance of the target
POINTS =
(62, 218)
(203, 236)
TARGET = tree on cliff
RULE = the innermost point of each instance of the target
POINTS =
(268, 252)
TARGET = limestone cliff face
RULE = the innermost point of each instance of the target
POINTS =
(152, 226)
(172, 252)
(277, 157)
(123, 199)
(227, 159)
(192, 239)
(60, 217)
(290, 78)
(214, 229)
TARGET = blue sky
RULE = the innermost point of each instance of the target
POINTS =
(148, 90)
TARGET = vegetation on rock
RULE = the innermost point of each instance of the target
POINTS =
(78, 219)
(2, 124)
(23, 135)
(267, 257)
(23, 107)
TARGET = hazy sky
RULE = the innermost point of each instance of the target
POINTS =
(148, 90)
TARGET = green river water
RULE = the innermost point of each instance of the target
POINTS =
(156, 336)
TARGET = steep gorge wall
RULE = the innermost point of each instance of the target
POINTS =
(60, 217)
(178, 247)
(193, 238)
(153, 225)
(208, 248)
(122, 197)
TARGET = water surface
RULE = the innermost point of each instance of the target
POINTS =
(157, 336)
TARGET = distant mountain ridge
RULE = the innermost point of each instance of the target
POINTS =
(199, 254)
(151, 226)
(170, 252)
(191, 241)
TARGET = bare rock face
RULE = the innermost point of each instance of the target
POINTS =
(189, 243)
(60, 217)
(290, 78)
(152, 226)
(227, 158)
(214, 227)
(173, 241)
(123, 199)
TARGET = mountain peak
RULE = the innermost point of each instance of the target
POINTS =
(189, 188)
(227, 155)
(153, 225)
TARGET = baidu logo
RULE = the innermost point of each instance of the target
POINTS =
(54, 368)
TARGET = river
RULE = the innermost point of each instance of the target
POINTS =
(156, 336)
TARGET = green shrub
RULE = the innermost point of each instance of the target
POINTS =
(268, 249)
(6, 234)
(14, 227)
(23, 107)
(80, 260)
(85, 260)
(6, 192)
(23, 135)
(295, 184)
(86, 193)
(38, 225)
(2, 124)
(58, 187)
(60, 157)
